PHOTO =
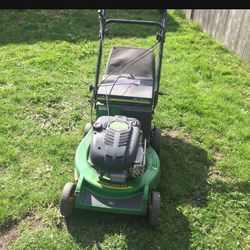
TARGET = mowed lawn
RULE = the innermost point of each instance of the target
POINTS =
(46, 56)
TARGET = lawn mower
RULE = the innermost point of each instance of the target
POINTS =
(117, 167)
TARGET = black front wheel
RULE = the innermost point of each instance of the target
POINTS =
(154, 209)
(67, 199)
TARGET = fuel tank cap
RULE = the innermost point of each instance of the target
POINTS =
(97, 126)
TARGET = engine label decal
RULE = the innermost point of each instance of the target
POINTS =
(114, 186)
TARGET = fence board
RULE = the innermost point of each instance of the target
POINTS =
(232, 27)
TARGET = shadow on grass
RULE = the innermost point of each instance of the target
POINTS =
(32, 26)
(225, 188)
(183, 181)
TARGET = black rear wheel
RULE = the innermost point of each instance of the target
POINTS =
(67, 199)
(156, 140)
(154, 209)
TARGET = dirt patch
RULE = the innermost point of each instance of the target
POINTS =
(186, 138)
(213, 174)
(35, 224)
(11, 232)
(173, 133)
(217, 155)
(8, 236)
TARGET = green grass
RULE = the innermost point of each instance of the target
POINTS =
(204, 113)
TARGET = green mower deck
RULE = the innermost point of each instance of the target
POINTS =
(131, 197)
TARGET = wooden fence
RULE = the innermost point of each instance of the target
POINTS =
(232, 27)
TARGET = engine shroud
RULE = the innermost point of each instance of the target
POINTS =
(117, 147)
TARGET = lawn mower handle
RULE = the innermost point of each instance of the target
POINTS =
(160, 37)
(127, 21)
